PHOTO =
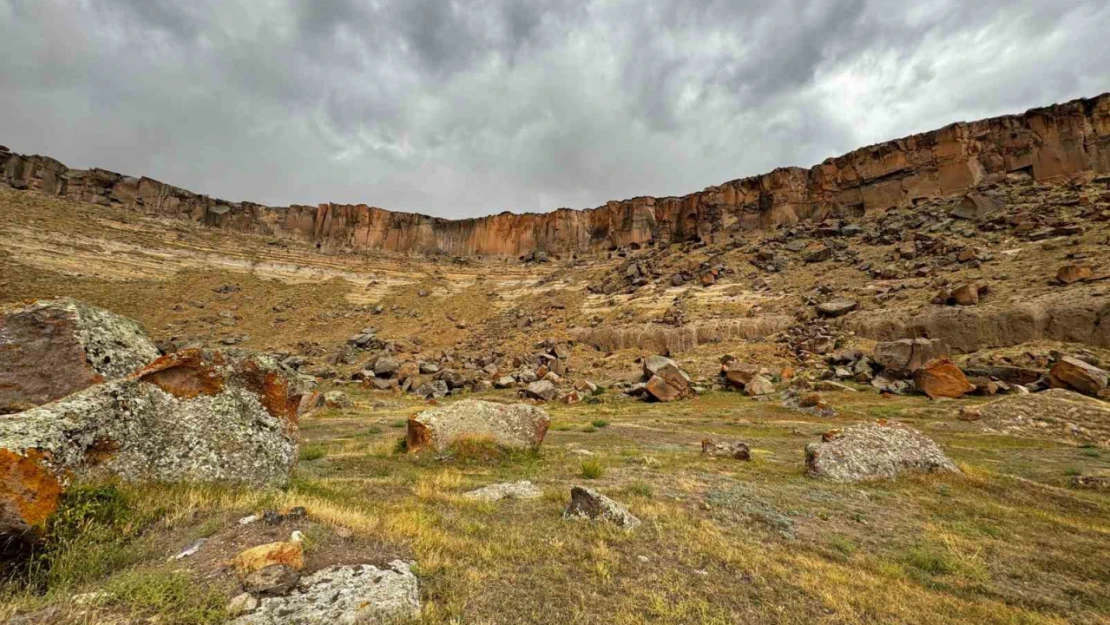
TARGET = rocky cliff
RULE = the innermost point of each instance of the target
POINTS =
(1052, 144)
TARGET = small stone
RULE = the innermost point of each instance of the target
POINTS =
(837, 307)
(275, 579)
(730, 449)
(240, 604)
(586, 503)
(759, 386)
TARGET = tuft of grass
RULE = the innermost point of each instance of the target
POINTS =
(166, 596)
(374, 429)
(641, 489)
(591, 469)
(589, 429)
(931, 558)
(312, 452)
(399, 423)
(401, 446)
(562, 427)
(599, 423)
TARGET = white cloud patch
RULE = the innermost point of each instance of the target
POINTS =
(467, 108)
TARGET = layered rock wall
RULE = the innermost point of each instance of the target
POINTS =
(1050, 144)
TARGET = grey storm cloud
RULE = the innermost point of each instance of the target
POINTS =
(461, 109)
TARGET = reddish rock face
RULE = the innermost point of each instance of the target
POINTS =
(195, 415)
(1069, 372)
(942, 378)
(1051, 144)
(53, 348)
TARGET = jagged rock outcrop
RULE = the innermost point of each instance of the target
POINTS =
(52, 348)
(1050, 144)
(193, 415)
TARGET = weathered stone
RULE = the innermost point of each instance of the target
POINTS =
(652, 365)
(510, 490)
(966, 294)
(53, 348)
(906, 356)
(543, 390)
(240, 604)
(1073, 373)
(337, 399)
(669, 383)
(344, 594)
(505, 381)
(586, 503)
(274, 579)
(870, 452)
(976, 207)
(386, 367)
(759, 386)
(942, 378)
(194, 415)
(434, 389)
(837, 307)
(288, 553)
(1072, 273)
(730, 449)
(508, 425)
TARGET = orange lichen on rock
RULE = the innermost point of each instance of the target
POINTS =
(185, 374)
(29, 491)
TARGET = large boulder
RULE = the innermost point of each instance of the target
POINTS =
(904, 357)
(344, 594)
(53, 348)
(1056, 414)
(1073, 373)
(518, 426)
(874, 452)
(942, 378)
(202, 416)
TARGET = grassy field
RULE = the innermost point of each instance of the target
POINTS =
(723, 541)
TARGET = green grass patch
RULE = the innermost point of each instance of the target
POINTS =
(591, 469)
(166, 596)
(599, 423)
(312, 452)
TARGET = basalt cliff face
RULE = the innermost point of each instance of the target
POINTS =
(1052, 144)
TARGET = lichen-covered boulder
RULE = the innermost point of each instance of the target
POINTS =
(53, 348)
(194, 415)
(518, 426)
(344, 594)
(941, 378)
(874, 452)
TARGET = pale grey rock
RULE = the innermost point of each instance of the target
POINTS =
(242, 603)
(518, 426)
(543, 390)
(509, 490)
(344, 595)
(759, 386)
(875, 452)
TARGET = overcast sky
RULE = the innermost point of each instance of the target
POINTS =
(461, 109)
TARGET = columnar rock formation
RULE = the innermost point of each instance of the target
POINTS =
(1050, 144)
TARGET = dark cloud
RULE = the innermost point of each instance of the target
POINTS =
(465, 108)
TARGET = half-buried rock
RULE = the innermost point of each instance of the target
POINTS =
(875, 452)
(201, 416)
(53, 348)
(586, 503)
(516, 426)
